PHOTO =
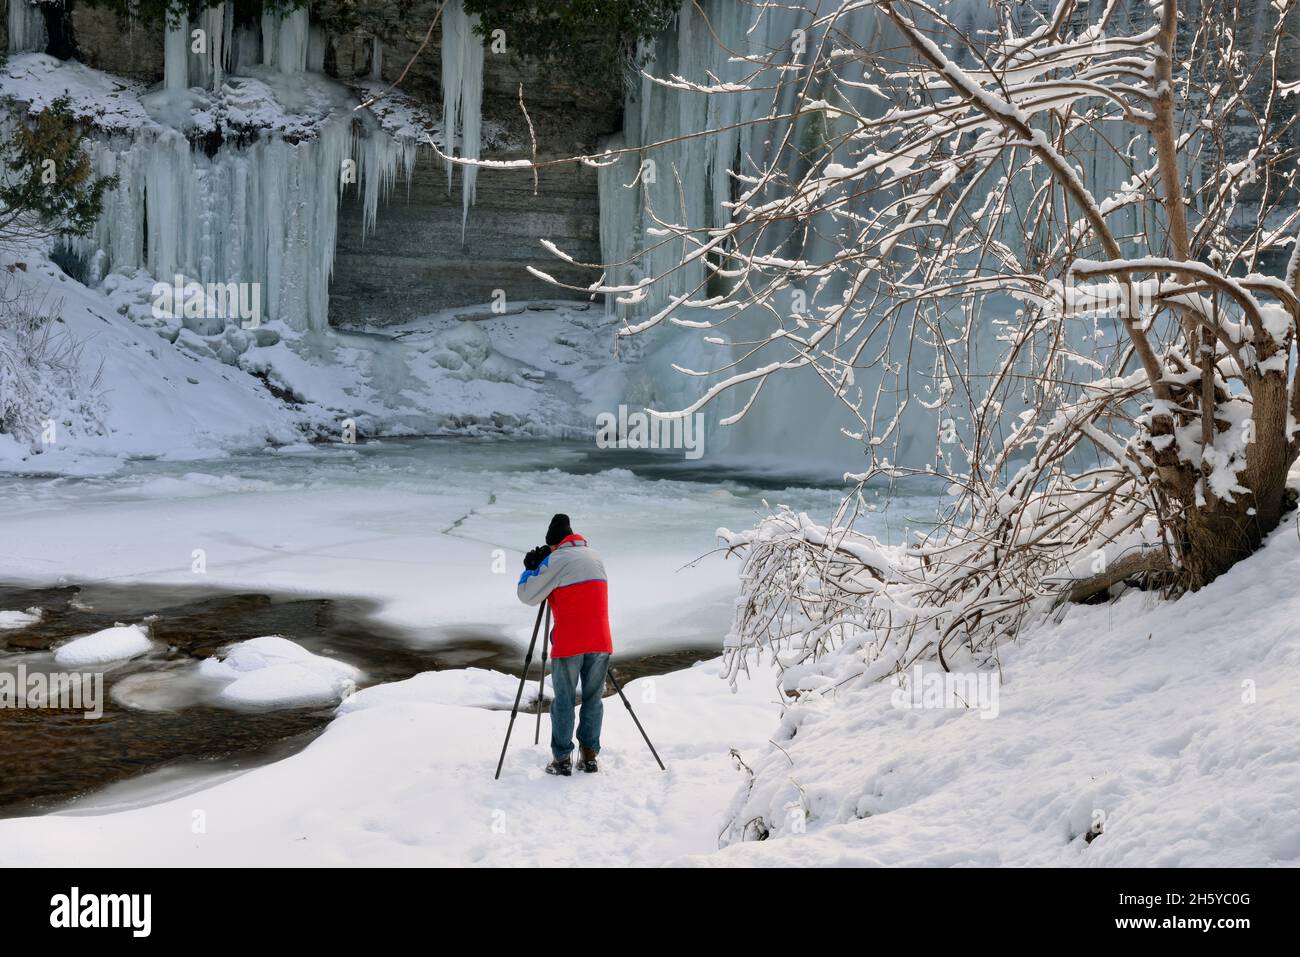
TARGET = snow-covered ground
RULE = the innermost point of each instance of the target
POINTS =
(408, 781)
(1166, 729)
(434, 531)
(1170, 724)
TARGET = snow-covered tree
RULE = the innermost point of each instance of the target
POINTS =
(1069, 230)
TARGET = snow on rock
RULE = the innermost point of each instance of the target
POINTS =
(13, 620)
(112, 644)
(112, 103)
(154, 397)
(163, 390)
(462, 687)
(274, 672)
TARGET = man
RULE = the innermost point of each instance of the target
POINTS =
(568, 572)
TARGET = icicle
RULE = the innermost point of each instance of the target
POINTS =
(270, 38)
(210, 71)
(295, 27)
(376, 59)
(246, 47)
(451, 77)
(471, 110)
(382, 160)
(462, 97)
(176, 55)
(619, 218)
(26, 27)
(228, 37)
(316, 48)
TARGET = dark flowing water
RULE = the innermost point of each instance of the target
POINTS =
(49, 757)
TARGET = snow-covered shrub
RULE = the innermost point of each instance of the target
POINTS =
(44, 396)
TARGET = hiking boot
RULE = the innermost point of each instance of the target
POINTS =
(587, 760)
(562, 768)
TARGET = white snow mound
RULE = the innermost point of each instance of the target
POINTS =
(112, 644)
(13, 620)
(274, 672)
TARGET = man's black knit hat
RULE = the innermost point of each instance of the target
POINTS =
(558, 530)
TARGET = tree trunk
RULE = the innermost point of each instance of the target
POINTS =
(1214, 541)
(1218, 535)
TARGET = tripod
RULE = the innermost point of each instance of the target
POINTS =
(523, 678)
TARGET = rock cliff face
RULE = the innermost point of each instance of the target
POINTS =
(415, 261)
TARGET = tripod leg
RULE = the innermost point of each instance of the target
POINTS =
(627, 704)
(528, 660)
(541, 682)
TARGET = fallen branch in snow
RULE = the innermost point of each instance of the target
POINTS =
(1143, 562)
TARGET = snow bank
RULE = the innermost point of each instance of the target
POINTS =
(1142, 733)
(274, 672)
(462, 687)
(408, 781)
(112, 644)
(163, 390)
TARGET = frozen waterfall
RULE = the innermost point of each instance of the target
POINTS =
(262, 206)
(26, 27)
(690, 179)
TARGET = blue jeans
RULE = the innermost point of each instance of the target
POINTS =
(566, 672)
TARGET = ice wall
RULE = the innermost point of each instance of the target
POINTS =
(26, 27)
(263, 212)
(690, 178)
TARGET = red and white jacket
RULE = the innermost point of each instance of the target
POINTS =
(572, 576)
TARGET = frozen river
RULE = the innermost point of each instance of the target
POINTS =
(397, 557)
(432, 530)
